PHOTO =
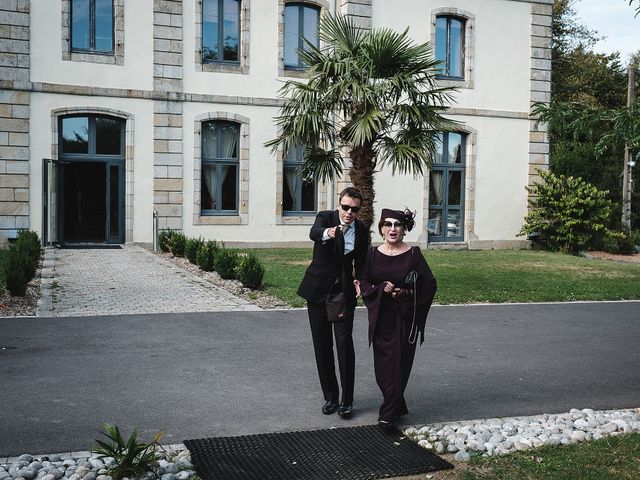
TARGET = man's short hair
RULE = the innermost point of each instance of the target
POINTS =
(352, 192)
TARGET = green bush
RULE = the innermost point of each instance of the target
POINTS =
(226, 262)
(206, 255)
(164, 239)
(132, 458)
(29, 241)
(19, 269)
(622, 243)
(567, 213)
(177, 244)
(250, 271)
(191, 249)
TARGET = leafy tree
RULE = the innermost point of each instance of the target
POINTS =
(588, 120)
(372, 93)
(568, 213)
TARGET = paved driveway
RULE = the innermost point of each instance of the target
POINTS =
(128, 280)
(233, 373)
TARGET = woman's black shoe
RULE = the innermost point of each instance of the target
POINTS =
(345, 410)
(330, 407)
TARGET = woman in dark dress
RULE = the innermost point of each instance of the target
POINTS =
(397, 308)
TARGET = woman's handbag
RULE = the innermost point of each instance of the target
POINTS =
(336, 305)
(411, 282)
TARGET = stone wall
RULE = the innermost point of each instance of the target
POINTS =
(167, 113)
(14, 117)
(540, 86)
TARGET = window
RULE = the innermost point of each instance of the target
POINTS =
(446, 190)
(450, 32)
(92, 26)
(300, 23)
(220, 165)
(221, 31)
(91, 136)
(299, 195)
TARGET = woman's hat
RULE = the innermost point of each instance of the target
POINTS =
(406, 217)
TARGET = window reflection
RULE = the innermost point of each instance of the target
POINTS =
(300, 22)
(220, 30)
(449, 48)
(75, 135)
(108, 136)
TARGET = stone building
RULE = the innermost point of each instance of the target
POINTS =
(111, 110)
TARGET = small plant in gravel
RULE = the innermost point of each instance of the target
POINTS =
(206, 255)
(191, 249)
(29, 241)
(132, 458)
(177, 244)
(18, 272)
(226, 263)
(250, 271)
(164, 239)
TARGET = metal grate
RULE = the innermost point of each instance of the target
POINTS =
(365, 452)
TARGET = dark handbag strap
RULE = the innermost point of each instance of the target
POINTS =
(413, 277)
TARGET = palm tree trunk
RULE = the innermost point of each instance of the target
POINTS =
(361, 173)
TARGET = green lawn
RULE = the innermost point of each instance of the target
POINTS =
(613, 458)
(486, 276)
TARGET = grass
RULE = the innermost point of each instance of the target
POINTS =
(612, 458)
(498, 276)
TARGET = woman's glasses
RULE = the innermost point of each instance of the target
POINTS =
(346, 208)
(393, 224)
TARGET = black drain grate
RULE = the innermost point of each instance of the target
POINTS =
(353, 453)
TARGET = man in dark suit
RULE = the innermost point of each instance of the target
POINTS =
(340, 246)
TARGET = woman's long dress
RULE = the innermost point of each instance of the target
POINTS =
(391, 320)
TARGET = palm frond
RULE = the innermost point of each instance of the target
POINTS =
(322, 165)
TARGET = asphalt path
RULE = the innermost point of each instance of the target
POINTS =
(202, 375)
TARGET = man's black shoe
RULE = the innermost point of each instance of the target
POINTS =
(330, 407)
(345, 410)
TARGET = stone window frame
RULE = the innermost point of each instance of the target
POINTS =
(242, 217)
(242, 67)
(128, 154)
(469, 44)
(323, 5)
(114, 58)
(471, 136)
(295, 219)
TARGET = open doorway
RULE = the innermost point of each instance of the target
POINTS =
(84, 202)
(84, 188)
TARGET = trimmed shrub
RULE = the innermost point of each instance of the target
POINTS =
(29, 241)
(567, 213)
(206, 255)
(164, 239)
(250, 271)
(191, 249)
(19, 269)
(177, 244)
(226, 262)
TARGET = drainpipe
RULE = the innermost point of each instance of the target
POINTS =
(155, 231)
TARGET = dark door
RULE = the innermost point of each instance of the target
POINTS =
(92, 203)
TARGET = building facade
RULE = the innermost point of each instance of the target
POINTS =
(116, 112)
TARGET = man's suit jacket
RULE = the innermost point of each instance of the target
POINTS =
(328, 263)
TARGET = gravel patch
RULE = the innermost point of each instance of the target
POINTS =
(498, 436)
(22, 306)
(173, 463)
(257, 297)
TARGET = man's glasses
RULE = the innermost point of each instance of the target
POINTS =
(346, 208)
(393, 224)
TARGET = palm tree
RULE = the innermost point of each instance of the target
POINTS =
(371, 93)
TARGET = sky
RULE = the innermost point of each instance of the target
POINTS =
(613, 19)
